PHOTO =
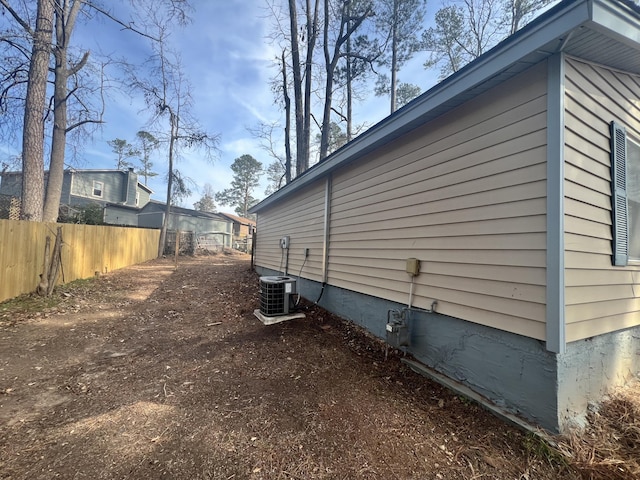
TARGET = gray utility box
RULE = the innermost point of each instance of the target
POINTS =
(397, 328)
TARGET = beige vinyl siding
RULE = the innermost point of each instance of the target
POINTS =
(600, 298)
(301, 217)
(465, 194)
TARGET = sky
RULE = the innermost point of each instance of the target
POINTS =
(229, 60)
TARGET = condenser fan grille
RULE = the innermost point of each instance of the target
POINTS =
(275, 293)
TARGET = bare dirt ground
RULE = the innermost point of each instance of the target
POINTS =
(152, 373)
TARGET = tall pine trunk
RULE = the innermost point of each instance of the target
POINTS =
(330, 63)
(35, 105)
(287, 124)
(394, 56)
(312, 36)
(297, 86)
(349, 85)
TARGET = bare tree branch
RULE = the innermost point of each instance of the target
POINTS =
(125, 25)
(79, 65)
(17, 17)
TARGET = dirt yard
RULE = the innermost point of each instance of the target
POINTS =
(152, 373)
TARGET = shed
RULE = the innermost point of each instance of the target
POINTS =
(243, 229)
(215, 226)
(499, 181)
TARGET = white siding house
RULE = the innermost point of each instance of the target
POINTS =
(499, 180)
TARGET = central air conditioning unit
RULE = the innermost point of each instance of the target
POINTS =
(276, 295)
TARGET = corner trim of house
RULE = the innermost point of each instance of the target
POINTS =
(555, 305)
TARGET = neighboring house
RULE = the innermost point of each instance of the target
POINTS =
(499, 181)
(243, 229)
(212, 228)
(119, 190)
(126, 201)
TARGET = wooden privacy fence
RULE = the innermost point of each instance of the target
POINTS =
(87, 249)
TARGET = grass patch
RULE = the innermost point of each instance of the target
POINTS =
(33, 303)
(537, 447)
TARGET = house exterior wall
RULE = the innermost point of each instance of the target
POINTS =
(592, 368)
(602, 312)
(506, 200)
(114, 186)
(132, 188)
(187, 223)
(600, 298)
(65, 195)
(11, 185)
(114, 215)
(150, 219)
(152, 216)
(466, 195)
(301, 217)
(144, 196)
(77, 187)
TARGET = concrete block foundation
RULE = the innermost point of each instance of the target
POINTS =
(516, 373)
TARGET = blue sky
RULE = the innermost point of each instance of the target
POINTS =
(228, 58)
(227, 61)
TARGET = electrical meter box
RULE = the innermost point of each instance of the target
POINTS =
(413, 266)
(397, 329)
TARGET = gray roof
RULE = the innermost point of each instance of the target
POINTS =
(606, 32)
(158, 206)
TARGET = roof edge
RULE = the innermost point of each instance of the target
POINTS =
(557, 22)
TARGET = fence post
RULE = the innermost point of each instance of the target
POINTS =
(177, 247)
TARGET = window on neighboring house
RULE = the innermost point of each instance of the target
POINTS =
(625, 174)
(137, 198)
(98, 188)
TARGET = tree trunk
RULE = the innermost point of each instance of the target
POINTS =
(58, 140)
(167, 212)
(287, 124)
(35, 105)
(330, 65)
(297, 85)
(347, 27)
(349, 82)
(43, 285)
(312, 35)
(64, 23)
(394, 55)
(54, 268)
